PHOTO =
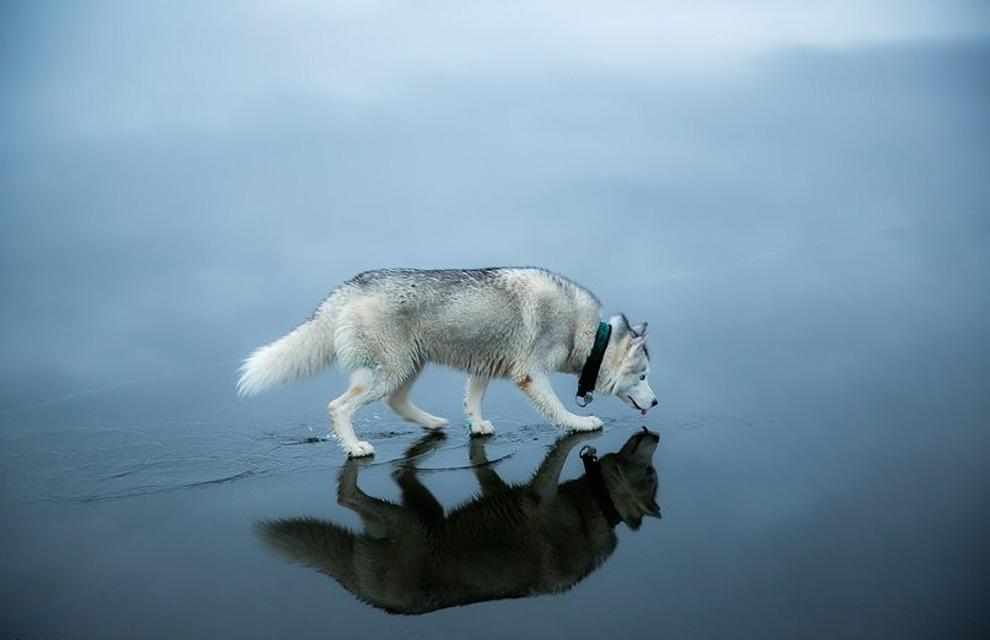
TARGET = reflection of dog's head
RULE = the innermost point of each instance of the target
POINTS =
(631, 479)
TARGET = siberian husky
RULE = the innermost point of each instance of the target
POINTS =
(517, 323)
(510, 541)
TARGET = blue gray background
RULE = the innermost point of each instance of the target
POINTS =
(796, 198)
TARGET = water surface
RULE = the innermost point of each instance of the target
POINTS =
(834, 514)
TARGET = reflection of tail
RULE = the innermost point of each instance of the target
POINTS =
(303, 352)
(314, 543)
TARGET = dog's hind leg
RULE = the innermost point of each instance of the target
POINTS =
(399, 403)
(476, 386)
(537, 388)
(365, 387)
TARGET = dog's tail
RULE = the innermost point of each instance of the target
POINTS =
(303, 352)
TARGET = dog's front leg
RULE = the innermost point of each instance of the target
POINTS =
(537, 388)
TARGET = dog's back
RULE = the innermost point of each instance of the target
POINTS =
(482, 321)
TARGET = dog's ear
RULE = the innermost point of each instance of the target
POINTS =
(653, 509)
(639, 329)
(620, 326)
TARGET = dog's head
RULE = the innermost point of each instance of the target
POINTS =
(629, 365)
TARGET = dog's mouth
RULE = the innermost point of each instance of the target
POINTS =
(642, 411)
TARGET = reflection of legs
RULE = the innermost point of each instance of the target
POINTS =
(475, 392)
(537, 387)
(429, 443)
(365, 388)
(377, 515)
(417, 499)
(489, 481)
(547, 477)
(400, 404)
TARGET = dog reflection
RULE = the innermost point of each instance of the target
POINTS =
(511, 541)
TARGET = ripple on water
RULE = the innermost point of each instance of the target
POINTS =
(90, 462)
(96, 461)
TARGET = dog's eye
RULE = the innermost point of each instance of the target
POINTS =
(642, 377)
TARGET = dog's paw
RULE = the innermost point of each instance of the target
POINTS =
(482, 428)
(360, 450)
(434, 423)
(586, 423)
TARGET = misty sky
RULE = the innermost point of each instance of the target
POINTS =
(183, 181)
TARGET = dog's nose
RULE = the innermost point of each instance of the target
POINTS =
(655, 402)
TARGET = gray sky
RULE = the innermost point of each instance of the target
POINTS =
(182, 181)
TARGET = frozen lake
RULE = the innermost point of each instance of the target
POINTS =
(838, 513)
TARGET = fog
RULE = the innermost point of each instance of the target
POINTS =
(181, 182)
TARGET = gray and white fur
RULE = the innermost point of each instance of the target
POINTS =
(517, 323)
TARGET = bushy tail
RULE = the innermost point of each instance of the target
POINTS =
(303, 352)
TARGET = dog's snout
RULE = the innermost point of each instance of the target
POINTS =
(655, 402)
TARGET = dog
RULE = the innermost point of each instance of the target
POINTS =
(511, 541)
(517, 323)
